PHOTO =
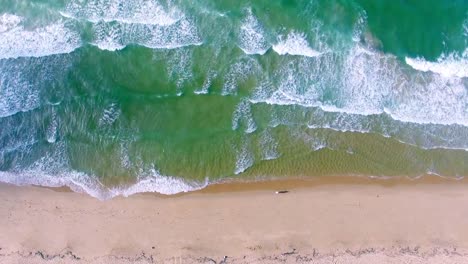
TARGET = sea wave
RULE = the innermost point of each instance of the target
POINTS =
(107, 33)
(116, 36)
(84, 183)
(23, 80)
(117, 24)
(53, 170)
(128, 12)
(368, 82)
(451, 65)
(294, 44)
(17, 41)
(9, 22)
(244, 157)
(427, 136)
(252, 39)
(242, 116)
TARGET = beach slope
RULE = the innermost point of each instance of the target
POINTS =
(406, 222)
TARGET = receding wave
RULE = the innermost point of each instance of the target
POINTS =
(83, 183)
(52, 170)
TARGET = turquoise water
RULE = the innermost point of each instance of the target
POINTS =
(115, 97)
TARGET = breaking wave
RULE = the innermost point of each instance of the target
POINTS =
(115, 36)
(369, 83)
(451, 65)
(294, 44)
(18, 41)
(128, 12)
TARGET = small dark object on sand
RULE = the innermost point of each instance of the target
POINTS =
(289, 253)
(283, 191)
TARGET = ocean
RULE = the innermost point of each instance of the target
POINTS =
(115, 97)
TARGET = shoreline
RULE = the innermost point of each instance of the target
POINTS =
(273, 184)
(311, 182)
(340, 220)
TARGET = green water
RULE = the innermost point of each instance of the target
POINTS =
(115, 97)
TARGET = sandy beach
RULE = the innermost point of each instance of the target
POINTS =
(337, 220)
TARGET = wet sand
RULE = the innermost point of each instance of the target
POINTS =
(325, 220)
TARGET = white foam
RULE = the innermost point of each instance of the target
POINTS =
(43, 41)
(161, 184)
(179, 67)
(294, 44)
(207, 83)
(125, 161)
(434, 100)
(16, 92)
(243, 116)
(350, 128)
(360, 26)
(367, 82)
(238, 73)
(23, 80)
(146, 12)
(16, 136)
(315, 141)
(422, 136)
(52, 171)
(9, 21)
(116, 36)
(252, 36)
(52, 129)
(110, 115)
(245, 158)
(447, 66)
(292, 87)
(83, 183)
(269, 146)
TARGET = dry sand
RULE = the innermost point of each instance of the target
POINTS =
(319, 221)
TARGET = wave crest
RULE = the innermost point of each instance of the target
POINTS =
(294, 44)
(448, 66)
